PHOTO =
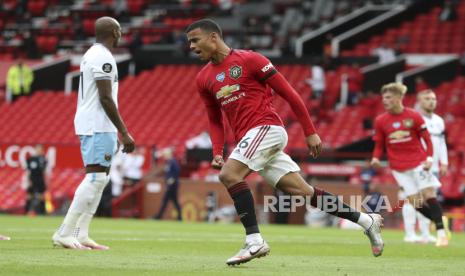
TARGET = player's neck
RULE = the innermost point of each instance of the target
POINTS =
(222, 52)
(397, 109)
(107, 44)
(426, 113)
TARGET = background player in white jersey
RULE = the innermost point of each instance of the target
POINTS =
(97, 122)
(426, 104)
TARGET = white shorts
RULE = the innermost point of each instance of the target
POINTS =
(414, 180)
(261, 149)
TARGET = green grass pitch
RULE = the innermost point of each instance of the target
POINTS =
(144, 247)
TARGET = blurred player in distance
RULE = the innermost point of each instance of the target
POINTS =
(97, 123)
(238, 83)
(401, 131)
(426, 105)
(437, 129)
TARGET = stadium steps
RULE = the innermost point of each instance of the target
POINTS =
(424, 34)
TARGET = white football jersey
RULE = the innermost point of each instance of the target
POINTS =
(436, 128)
(97, 64)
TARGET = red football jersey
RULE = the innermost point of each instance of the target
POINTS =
(401, 133)
(237, 86)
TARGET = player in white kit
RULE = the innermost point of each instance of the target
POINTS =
(426, 104)
(97, 123)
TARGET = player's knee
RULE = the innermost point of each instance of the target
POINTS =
(228, 178)
(310, 191)
(415, 200)
(428, 193)
(305, 190)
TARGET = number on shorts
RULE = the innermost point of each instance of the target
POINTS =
(424, 175)
(244, 143)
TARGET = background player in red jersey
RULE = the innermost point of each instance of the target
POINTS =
(239, 83)
(400, 130)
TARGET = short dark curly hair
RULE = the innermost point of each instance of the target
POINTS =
(205, 25)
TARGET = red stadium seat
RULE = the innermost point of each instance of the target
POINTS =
(425, 34)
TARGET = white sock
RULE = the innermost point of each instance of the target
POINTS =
(98, 181)
(423, 223)
(254, 238)
(365, 221)
(83, 197)
(69, 223)
(441, 233)
(409, 216)
(82, 225)
(75, 209)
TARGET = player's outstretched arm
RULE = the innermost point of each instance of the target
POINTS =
(104, 90)
(285, 90)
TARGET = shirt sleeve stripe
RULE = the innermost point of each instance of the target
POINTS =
(267, 76)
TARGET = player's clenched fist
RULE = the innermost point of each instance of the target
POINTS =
(217, 162)
(375, 163)
(314, 145)
(128, 143)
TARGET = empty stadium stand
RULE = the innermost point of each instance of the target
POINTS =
(423, 34)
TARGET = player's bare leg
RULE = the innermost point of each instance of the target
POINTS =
(4, 238)
(232, 175)
(293, 184)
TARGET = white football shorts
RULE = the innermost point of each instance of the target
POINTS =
(261, 149)
(414, 180)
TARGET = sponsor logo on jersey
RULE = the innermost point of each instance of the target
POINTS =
(235, 72)
(227, 91)
(267, 67)
(220, 77)
(396, 124)
(408, 123)
(233, 98)
(399, 134)
(107, 67)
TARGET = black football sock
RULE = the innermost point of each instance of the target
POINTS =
(243, 201)
(330, 204)
(425, 211)
(436, 212)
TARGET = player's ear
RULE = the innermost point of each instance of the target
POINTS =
(213, 36)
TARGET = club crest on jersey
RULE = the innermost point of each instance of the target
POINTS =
(396, 124)
(220, 77)
(408, 123)
(235, 72)
(227, 91)
(107, 67)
